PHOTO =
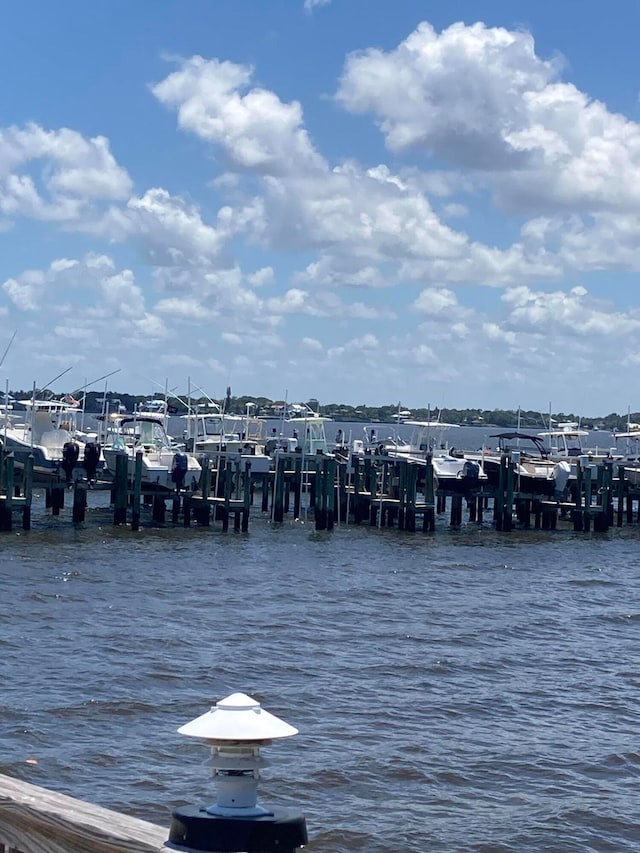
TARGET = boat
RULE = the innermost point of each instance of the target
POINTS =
(161, 459)
(536, 472)
(43, 428)
(213, 435)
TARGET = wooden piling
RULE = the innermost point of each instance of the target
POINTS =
(137, 492)
(120, 489)
(79, 501)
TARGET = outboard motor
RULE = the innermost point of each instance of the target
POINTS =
(70, 453)
(471, 471)
(470, 475)
(91, 459)
(561, 472)
(179, 469)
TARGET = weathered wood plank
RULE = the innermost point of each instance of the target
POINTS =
(37, 820)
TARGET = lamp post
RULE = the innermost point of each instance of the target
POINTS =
(235, 729)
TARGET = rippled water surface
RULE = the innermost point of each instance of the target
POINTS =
(468, 691)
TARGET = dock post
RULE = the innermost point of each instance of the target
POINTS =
(175, 508)
(28, 492)
(605, 518)
(455, 519)
(411, 487)
(330, 491)
(247, 496)
(137, 492)
(507, 524)
(297, 485)
(577, 513)
(586, 524)
(120, 489)
(186, 509)
(204, 514)
(278, 490)
(620, 491)
(429, 516)
(79, 501)
(228, 486)
(6, 474)
(498, 501)
(159, 511)
(356, 503)
(320, 511)
(266, 483)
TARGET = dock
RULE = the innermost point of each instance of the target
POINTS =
(374, 490)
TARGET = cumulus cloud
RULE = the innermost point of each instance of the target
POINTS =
(573, 311)
(481, 98)
(56, 174)
(254, 128)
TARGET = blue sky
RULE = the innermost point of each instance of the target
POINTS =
(360, 202)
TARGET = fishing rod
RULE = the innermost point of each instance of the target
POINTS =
(93, 382)
(8, 347)
(55, 378)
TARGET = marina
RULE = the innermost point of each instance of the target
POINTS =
(152, 479)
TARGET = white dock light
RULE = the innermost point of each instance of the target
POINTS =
(236, 728)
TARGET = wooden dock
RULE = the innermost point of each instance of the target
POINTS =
(372, 490)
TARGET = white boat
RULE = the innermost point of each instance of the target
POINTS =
(426, 437)
(212, 435)
(42, 428)
(161, 460)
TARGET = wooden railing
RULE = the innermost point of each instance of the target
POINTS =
(37, 820)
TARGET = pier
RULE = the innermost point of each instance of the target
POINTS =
(372, 489)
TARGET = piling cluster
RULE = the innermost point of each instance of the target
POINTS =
(377, 490)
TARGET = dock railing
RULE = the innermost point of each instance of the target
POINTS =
(37, 820)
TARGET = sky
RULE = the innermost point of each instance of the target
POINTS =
(360, 202)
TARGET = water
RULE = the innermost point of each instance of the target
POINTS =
(469, 691)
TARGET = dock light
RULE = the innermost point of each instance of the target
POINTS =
(235, 729)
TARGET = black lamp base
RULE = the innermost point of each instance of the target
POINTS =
(194, 829)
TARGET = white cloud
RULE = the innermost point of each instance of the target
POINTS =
(256, 130)
(574, 312)
(434, 300)
(73, 174)
(310, 5)
(480, 98)
(312, 344)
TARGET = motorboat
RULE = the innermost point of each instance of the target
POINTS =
(535, 471)
(214, 435)
(131, 434)
(43, 428)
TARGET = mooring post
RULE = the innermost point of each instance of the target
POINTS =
(510, 463)
(137, 492)
(28, 492)
(228, 485)
(186, 509)
(6, 516)
(79, 501)
(278, 489)
(57, 498)
(204, 513)
(235, 730)
(120, 489)
(586, 524)
(620, 490)
(429, 516)
(331, 474)
(159, 511)
(246, 496)
(320, 511)
(411, 487)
